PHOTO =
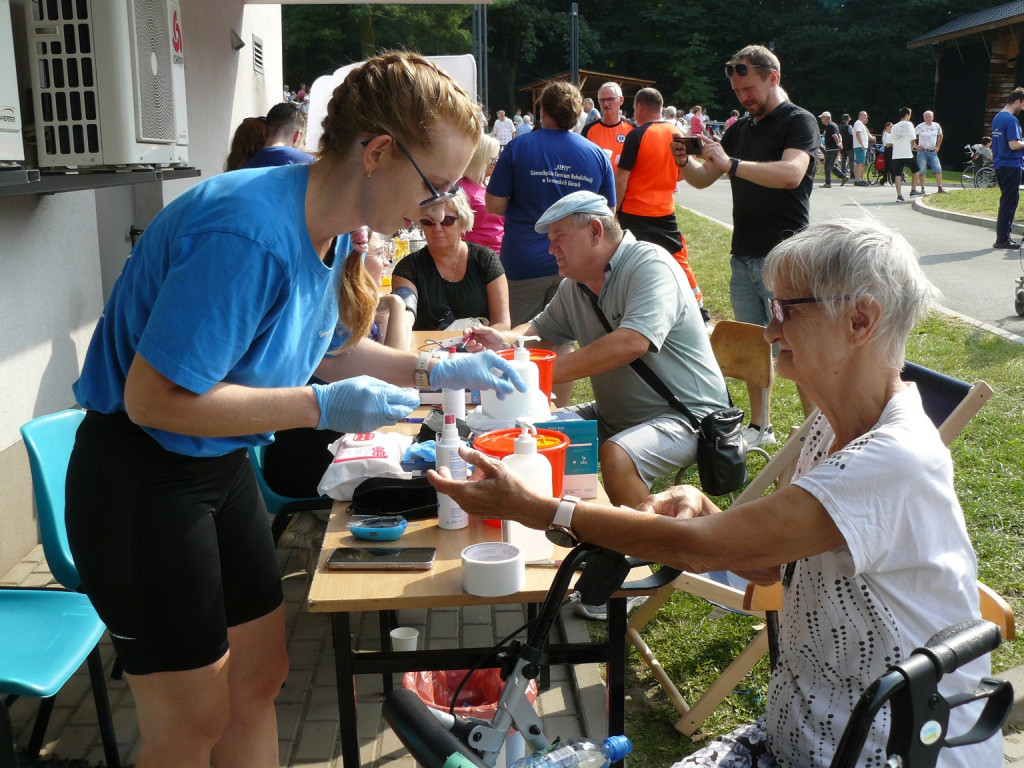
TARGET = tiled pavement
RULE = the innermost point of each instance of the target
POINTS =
(307, 706)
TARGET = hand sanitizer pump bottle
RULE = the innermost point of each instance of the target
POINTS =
(535, 470)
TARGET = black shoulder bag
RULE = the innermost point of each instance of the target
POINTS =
(721, 450)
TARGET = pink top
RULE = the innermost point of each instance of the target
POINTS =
(488, 229)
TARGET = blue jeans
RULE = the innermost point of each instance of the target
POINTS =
(747, 293)
(928, 160)
(1009, 196)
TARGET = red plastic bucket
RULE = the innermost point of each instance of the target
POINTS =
(545, 360)
(501, 443)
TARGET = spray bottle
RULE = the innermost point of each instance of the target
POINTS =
(450, 516)
(516, 403)
(535, 470)
(454, 400)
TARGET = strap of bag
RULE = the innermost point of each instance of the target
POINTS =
(642, 369)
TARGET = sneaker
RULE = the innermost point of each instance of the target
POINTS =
(916, 193)
(600, 612)
(827, 186)
(942, 191)
(843, 182)
(900, 199)
(755, 439)
(705, 315)
(1006, 245)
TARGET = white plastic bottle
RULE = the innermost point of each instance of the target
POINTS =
(579, 753)
(516, 403)
(450, 516)
(454, 400)
(535, 470)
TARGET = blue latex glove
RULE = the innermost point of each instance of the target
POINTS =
(474, 372)
(362, 404)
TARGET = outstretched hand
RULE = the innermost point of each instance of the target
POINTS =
(497, 493)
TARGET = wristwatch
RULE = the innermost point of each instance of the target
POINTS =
(735, 164)
(560, 531)
(422, 373)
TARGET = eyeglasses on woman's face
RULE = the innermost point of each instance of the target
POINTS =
(779, 305)
(741, 70)
(436, 198)
(446, 222)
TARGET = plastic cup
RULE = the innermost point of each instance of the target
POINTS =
(404, 638)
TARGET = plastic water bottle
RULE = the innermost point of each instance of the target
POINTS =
(584, 753)
(535, 470)
(450, 516)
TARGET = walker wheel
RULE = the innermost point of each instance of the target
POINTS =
(1018, 302)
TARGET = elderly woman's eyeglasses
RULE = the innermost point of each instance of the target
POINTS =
(779, 305)
(742, 69)
(436, 197)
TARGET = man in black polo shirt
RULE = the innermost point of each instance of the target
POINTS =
(769, 156)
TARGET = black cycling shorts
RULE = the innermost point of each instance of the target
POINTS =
(172, 549)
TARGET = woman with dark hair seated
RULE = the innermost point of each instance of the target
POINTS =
(452, 278)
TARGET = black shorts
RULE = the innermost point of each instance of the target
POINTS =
(172, 549)
(899, 163)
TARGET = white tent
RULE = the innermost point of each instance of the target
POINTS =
(462, 68)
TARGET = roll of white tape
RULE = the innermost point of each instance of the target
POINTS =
(493, 569)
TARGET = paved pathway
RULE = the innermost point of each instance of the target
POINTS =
(976, 280)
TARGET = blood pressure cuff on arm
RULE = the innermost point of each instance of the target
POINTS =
(408, 295)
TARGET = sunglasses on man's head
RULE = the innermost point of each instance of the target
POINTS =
(742, 69)
(447, 221)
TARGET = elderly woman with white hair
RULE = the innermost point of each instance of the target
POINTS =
(451, 277)
(869, 540)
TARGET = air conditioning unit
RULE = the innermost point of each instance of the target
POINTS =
(11, 148)
(108, 83)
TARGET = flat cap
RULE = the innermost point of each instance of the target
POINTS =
(577, 202)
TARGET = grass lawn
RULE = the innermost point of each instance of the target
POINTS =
(693, 646)
(974, 202)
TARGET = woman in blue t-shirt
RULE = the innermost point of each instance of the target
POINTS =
(225, 310)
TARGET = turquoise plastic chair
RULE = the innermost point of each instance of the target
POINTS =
(45, 635)
(49, 440)
(281, 508)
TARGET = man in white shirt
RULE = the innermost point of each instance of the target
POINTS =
(504, 129)
(929, 139)
(904, 141)
(860, 148)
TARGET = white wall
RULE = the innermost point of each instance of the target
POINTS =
(60, 254)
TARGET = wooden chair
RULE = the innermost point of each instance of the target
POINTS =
(742, 353)
(949, 402)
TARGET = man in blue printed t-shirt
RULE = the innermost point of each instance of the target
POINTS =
(533, 172)
(1008, 159)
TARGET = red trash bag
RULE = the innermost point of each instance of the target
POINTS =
(478, 697)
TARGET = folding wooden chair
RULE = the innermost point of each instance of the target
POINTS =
(950, 403)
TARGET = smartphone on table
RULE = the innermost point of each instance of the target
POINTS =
(382, 558)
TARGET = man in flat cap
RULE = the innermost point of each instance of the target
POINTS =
(651, 315)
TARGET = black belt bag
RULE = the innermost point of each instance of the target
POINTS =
(721, 449)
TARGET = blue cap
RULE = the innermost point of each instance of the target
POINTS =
(616, 747)
(577, 202)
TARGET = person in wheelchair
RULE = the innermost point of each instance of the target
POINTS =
(869, 540)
